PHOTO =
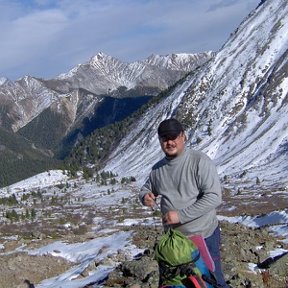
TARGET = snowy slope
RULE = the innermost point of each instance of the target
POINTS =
(234, 109)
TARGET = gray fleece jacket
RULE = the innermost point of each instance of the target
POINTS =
(190, 185)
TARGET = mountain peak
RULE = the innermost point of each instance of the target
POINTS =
(3, 80)
(175, 61)
(100, 56)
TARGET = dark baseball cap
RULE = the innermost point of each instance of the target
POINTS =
(170, 128)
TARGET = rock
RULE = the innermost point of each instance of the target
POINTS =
(141, 269)
(134, 286)
(280, 267)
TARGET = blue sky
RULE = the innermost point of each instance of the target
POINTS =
(44, 38)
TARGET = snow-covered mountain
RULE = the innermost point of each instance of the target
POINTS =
(26, 98)
(234, 107)
(158, 71)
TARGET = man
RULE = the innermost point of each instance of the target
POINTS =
(190, 190)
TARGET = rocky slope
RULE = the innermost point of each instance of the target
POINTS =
(75, 210)
(239, 248)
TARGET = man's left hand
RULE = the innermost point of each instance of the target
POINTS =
(171, 217)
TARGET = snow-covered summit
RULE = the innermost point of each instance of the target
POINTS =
(177, 61)
(3, 80)
(110, 72)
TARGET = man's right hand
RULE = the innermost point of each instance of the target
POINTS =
(149, 199)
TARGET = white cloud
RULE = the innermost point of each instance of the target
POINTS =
(46, 37)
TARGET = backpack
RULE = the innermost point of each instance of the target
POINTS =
(180, 263)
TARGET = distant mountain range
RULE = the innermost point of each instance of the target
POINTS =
(54, 114)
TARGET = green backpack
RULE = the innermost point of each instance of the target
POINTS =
(180, 262)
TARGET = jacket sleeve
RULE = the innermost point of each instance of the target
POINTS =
(146, 188)
(210, 194)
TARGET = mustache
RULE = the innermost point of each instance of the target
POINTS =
(170, 146)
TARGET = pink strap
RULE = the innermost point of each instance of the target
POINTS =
(204, 252)
(197, 281)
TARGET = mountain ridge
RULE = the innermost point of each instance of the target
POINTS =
(148, 72)
(102, 75)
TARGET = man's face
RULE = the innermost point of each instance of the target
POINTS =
(173, 146)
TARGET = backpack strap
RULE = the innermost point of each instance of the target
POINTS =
(185, 270)
(168, 272)
(194, 277)
(197, 281)
(199, 241)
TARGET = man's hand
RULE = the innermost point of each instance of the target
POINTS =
(171, 217)
(149, 199)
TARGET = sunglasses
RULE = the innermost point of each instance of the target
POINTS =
(169, 137)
